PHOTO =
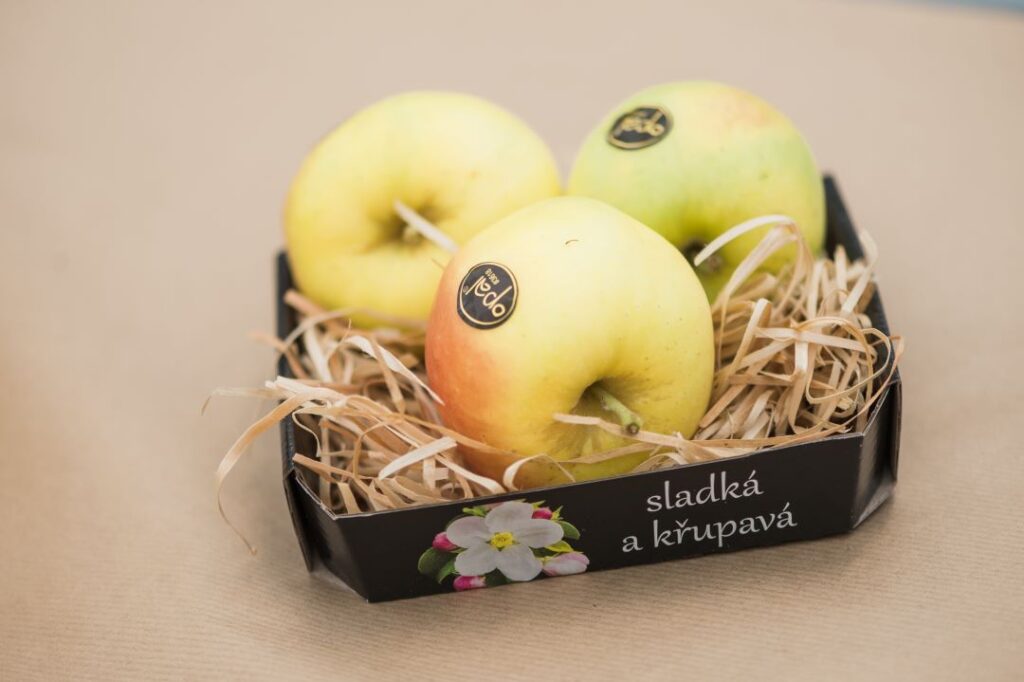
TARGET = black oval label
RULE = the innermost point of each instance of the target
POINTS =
(640, 128)
(487, 295)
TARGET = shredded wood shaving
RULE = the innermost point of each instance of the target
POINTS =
(797, 359)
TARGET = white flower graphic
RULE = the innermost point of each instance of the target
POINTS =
(503, 539)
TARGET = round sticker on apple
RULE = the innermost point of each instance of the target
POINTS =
(487, 295)
(640, 128)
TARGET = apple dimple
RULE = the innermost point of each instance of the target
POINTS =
(711, 265)
(395, 229)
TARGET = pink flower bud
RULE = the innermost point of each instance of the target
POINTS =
(469, 582)
(569, 563)
(443, 544)
(542, 513)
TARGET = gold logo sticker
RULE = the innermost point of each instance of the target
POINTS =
(487, 295)
(640, 128)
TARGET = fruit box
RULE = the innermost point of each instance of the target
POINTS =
(796, 492)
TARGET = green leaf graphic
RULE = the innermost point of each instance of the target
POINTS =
(431, 561)
(560, 547)
(570, 530)
(446, 570)
(495, 578)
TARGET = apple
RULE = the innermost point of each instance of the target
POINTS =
(693, 159)
(568, 306)
(458, 161)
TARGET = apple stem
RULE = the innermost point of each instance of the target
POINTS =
(629, 419)
(424, 227)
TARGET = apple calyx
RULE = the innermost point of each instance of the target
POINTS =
(630, 420)
(417, 226)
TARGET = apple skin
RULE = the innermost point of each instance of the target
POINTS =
(599, 298)
(460, 161)
(728, 156)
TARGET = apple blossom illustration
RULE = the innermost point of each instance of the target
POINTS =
(495, 544)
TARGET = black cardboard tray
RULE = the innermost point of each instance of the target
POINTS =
(798, 492)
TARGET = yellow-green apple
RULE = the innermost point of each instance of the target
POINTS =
(693, 159)
(457, 160)
(568, 306)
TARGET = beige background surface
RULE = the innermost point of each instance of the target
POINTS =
(144, 152)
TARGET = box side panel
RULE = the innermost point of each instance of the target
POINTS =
(840, 229)
(286, 320)
(897, 427)
(328, 542)
(876, 476)
(842, 232)
(294, 495)
(877, 473)
(766, 498)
